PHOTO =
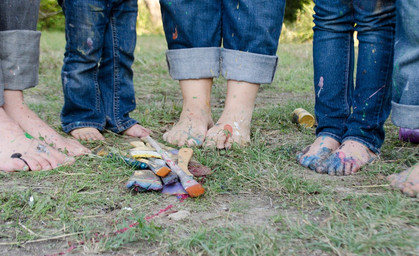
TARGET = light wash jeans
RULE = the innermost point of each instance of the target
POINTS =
(406, 66)
(19, 45)
(346, 110)
(248, 30)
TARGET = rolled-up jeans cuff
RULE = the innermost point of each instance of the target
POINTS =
(248, 67)
(405, 116)
(19, 52)
(193, 63)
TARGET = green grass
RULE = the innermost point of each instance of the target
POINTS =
(258, 201)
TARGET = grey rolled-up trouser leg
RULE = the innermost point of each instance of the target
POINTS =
(19, 45)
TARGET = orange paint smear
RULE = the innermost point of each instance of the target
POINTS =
(229, 129)
(174, 35)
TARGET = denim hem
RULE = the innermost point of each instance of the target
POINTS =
(365, 143)
(124, 126)
(75, 125)
(405, 116)
(331, 135)
(248, 67)
(19, 53)
(193, 63)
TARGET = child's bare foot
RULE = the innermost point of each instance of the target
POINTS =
(20, 151)
(407, 181)
(321, 148)
(347, 159)
(195, 119)
(87, 134)
(230, 128)
(234, 123)
(16, 109)
(137, 131)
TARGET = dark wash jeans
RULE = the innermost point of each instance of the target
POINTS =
(19, 45)
(406, 66)
(344, 110)
(97, 77)
(248, 30)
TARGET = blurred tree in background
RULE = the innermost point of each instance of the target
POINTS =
(293, 7)
(50, 16)
(297, 26)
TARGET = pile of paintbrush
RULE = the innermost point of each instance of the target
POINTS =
(161, 172)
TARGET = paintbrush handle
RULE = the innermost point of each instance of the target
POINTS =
(189, 184)
(184, 155)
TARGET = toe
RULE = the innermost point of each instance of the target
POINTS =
(193, 143)
(220, 141)
(321, 168)
(165, 136)
(33, 162)
(298, 156)
(407, 190)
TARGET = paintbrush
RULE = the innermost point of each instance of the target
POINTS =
(158, 167)
(101, 151)
(193, 188)
(184, 156)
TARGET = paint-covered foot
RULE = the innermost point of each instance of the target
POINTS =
(87, 134)
(137, 131)
(196, 118)
(314, 154)
(19, 151)
(16, 109)
(406, 181)
(234, 123)
(347, 159)
(191, 128)
(230, 129)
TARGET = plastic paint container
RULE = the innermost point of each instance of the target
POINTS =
(410, 135)
(303, 117)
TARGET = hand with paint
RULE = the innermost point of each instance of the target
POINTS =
(27, 142)
(194, 58)
(350, 116)
(97, 75)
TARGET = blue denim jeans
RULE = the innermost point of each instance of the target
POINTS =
(406, 66)
(248, 30)
(97, 77)
(346, 110)
(19, 45)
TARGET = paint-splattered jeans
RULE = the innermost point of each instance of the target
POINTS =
(248, 30)
(19, 45)
(97, 77)
(344, 110)
(406, 66)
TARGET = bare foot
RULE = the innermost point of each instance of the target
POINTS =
(87, 134)
(16, 109)
(321, 148)
(407, 181)
(347, 159)
(195, 119)
(234, 123)
(137, 131)
(19, 151)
